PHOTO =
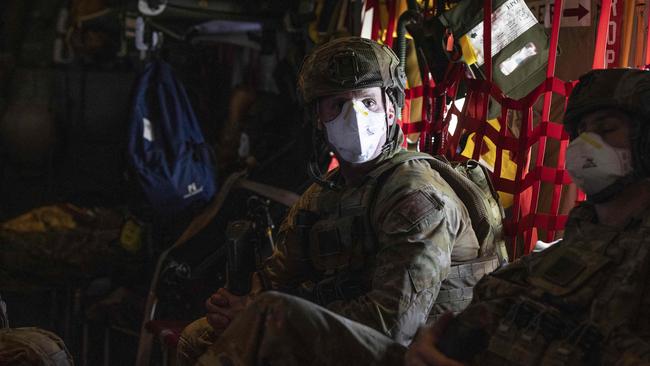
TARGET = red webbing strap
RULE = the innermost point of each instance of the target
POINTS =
(409, 127)
(546, 112)
(412, 127)
(601, 35)
(376, 18)
(427, 101)
(435, 122)
(525, 217)
(487, 66)
(487, 38)
(470, 120)
(392, 9)
(414, 92)
(646, 56)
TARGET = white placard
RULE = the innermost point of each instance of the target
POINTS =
(509, 21)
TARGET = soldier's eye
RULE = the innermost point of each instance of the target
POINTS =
(369, 103)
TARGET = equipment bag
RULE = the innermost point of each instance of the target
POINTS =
(166, 148)
(520, 44)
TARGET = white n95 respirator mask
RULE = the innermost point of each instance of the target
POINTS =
(594, 165)
(357, 133)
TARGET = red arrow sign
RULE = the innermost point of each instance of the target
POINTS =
(579, 12)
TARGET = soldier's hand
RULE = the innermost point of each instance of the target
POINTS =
(223, 307)
(423, 351)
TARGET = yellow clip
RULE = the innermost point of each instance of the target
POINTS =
(359, 107)
(469, 55)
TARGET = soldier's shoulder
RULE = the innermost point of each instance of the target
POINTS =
(413, 173)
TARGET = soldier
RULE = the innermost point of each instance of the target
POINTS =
(585, 301)
(373, 241)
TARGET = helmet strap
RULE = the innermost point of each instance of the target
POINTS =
(313, 168)
(640, 156)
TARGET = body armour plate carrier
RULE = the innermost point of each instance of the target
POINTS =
(341, 240)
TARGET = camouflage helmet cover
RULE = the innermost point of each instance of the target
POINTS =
(627, 90)
(350, 63)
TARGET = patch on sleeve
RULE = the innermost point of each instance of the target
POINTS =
(412, 209)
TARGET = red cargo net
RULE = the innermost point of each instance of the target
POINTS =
(524, 218)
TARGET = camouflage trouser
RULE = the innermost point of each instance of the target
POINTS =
(279, 329)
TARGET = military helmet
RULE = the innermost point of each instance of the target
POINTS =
(627, 90)
(351, 63)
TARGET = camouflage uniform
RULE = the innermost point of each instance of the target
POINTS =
(376, 252)
(584, 301)
(279, 329)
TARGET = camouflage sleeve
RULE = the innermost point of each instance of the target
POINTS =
(414, 256)
(289, 263)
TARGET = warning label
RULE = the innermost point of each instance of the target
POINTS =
(509, 21)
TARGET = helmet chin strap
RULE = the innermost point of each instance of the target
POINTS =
(313, 170)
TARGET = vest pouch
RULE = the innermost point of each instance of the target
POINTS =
(566, 269)
(501, 343)
(529, 345)
(562, 353)
(491, 229)
(331, 243)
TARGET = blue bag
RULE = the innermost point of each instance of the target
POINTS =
(166, 149)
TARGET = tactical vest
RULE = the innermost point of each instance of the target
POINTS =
(572, 302)
(342, 239)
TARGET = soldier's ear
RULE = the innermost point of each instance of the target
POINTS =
(390, 111)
